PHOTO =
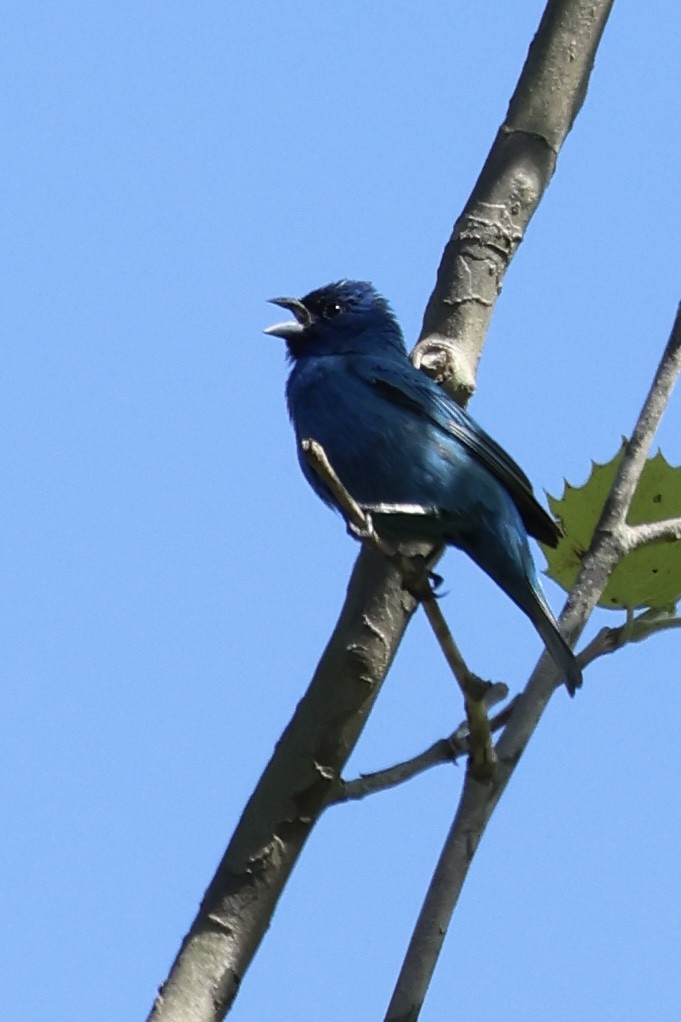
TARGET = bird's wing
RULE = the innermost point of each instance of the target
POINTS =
(415, 391)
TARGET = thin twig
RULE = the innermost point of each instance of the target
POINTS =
(636, 452)
(648, 533)
(609, 640)
(482, 757)
(445, 750)
(316, 457)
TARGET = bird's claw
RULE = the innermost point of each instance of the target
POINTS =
(436, 581)
(418, 581)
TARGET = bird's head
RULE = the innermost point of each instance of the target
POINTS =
(348, 317)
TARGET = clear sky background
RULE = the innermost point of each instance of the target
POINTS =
(168, 581)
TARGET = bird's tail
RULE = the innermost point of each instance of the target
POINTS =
(545, 623)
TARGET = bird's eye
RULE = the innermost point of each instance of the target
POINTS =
(332, 309)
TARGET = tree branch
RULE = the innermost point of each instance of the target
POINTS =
(446, 750)
(290, 796)
(647, 533)
(631, 466)
(478, 801)
(516, 173)
(635, 629)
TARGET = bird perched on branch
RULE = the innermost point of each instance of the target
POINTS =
(406, 452)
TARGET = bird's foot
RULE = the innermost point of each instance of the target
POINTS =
(436, 581)
(417, 580)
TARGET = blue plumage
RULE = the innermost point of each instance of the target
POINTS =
(406, 451)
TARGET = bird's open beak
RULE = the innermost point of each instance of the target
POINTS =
(291, 328)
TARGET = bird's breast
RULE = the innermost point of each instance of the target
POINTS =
(381, 452)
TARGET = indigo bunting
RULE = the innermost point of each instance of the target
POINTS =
(406, 452)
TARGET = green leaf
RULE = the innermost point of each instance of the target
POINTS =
(648, 577)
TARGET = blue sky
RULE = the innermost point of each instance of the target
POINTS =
(168, 581)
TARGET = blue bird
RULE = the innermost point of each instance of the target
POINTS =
(406, 452)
